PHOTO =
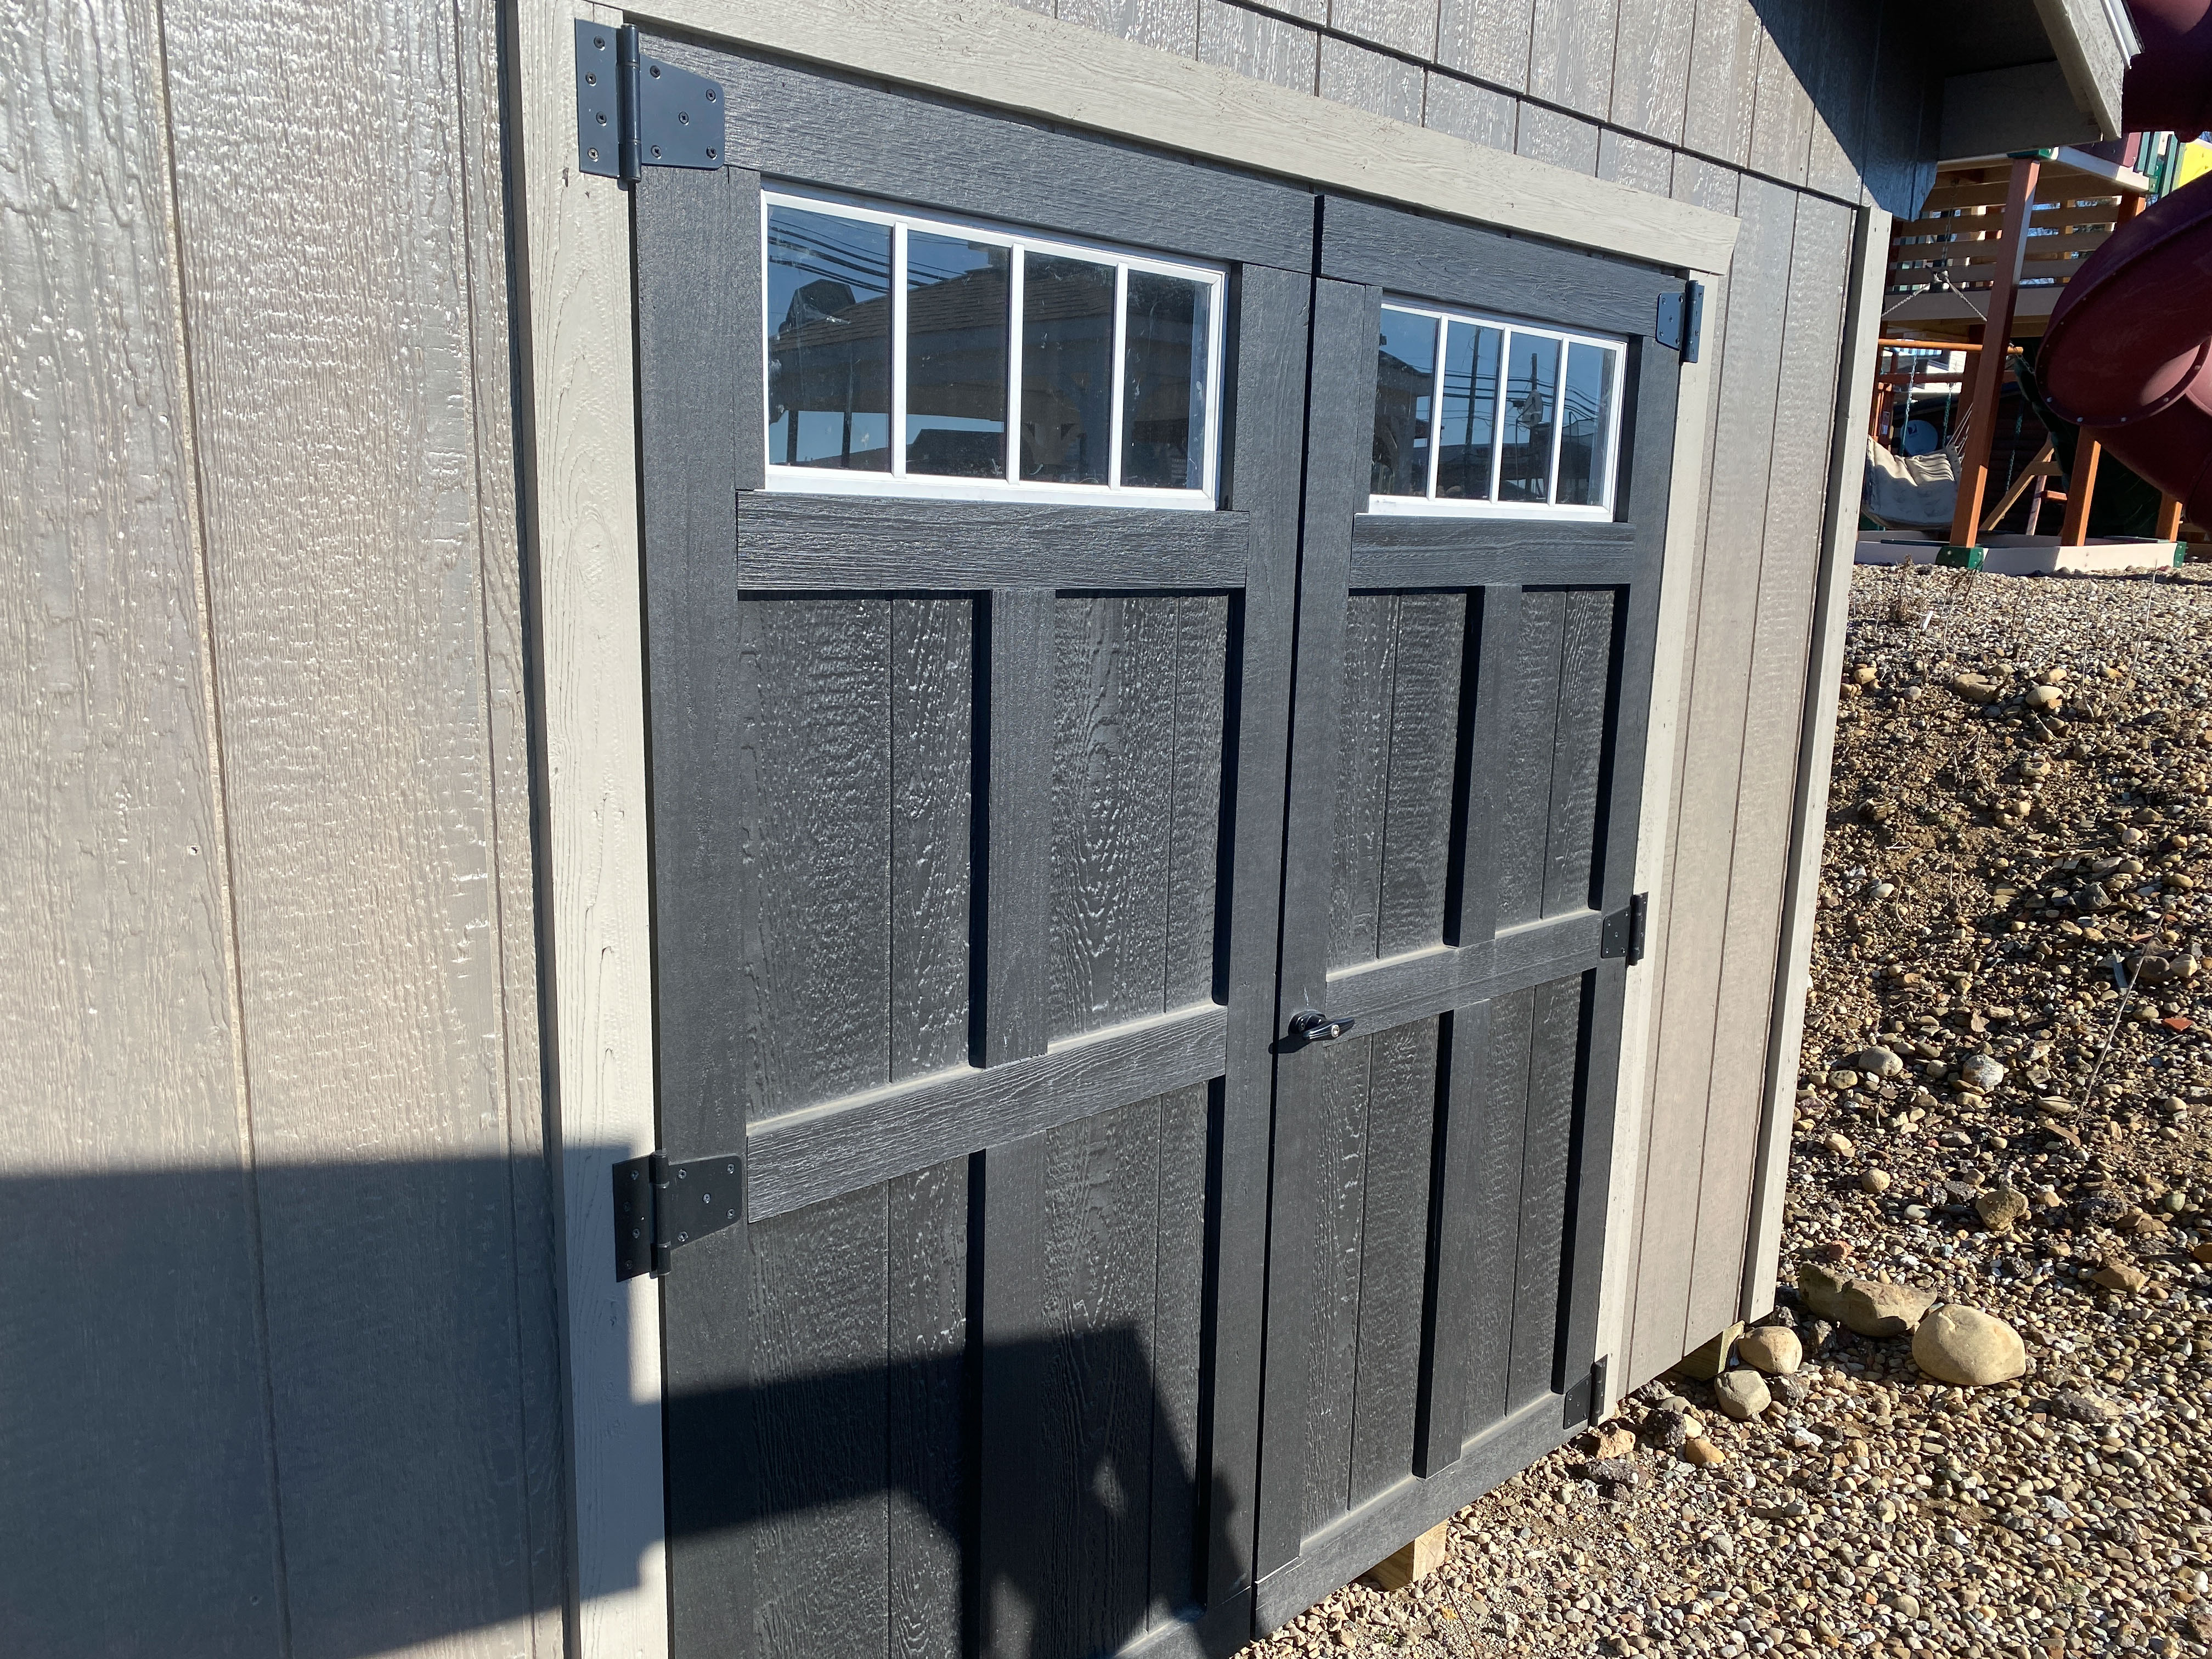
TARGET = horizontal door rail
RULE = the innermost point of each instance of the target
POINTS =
(1381, 994)
(795, 544)
(1391, 549)
(801, 1157)
(1354, 1541)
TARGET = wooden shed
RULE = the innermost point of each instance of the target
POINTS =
(901, 826)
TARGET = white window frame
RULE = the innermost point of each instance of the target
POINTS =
(897, 482)
(1428, 504)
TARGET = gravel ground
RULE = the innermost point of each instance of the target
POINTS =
(2017, 898)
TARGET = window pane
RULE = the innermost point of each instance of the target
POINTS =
(1067, 384)
(1583, 457)
(829, 359)
(1470, 412)
(956, 356)
(1163, 397)
(1532, 383)
(1404, 381)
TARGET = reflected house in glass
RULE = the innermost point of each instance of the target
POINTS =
(1402, 391)
(829, 372)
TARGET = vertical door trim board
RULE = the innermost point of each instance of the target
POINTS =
(1684, 524)
(581, 502)
(1012, 60)
(1816, 750)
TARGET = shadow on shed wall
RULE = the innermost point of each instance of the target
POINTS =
(163, 1494)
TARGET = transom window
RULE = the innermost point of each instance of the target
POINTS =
(897, 344)
(1477, 416)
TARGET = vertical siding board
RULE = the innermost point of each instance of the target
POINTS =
(1772, 720)
(1487, 39)
(1546, 1153)
(1578, 752)
(1171, 24)
(332, 354)
(1424, 736)
(1363, 778)
(932, 724)
(1502, 1093)
(1748, 378)
(1782, 104)
(1571, 51)
(926, 1458)
(1651, 68)
(1546, 135)
(1177, 1338)
(1475, 113)
(1840, 74)
(1338, 1183)
(1201, 692)
(1252, 43)
(134, 1369)
(1407, 25)
(1113, 779)
(1369, 81)
(1625, 161)
(1523, 815)
(1723, 79)
(1394, 1256)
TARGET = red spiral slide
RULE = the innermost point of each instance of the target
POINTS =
(2128, 353)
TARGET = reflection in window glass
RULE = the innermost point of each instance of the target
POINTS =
(1404, 381)
(956, 356)
(1586, 428)
(1532, 382)
(1164, 394)
(1470, 412)
(1068, 375)
(829, 356)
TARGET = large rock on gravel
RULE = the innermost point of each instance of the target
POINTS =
(1774, 1349)
(2079, 1407)
(1821, 1290)
(1981, 1071)
(2000, 1206)
(1874, 1307)
(1877, 1062)
(1972, 688)
(1962, 1345)
(1741, 1395)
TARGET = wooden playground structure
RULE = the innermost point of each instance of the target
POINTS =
(1984, 265)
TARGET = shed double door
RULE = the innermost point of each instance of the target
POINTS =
(995, 847)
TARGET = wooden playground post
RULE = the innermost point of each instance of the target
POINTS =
(2080, 488)
(2168, 528)
(1980, 414)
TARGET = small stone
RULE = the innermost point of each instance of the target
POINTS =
(1611, 1471)
(2044, 699)
(2120, 1277)
(1972, 688)
(1773, 1349)
(2201, 1252)
(2079, 1407)
(1666, 1428)
(1839, 1145)
(1740, 1395)
(1613, 1440)
(1843, 1078)
(1874, 1307)
(1962, 1345)
(2174, 1202)
(1874, 1181)
(1980, 1071)
(1904, 1603)
(1878, 1062)
(2000, 1208)
(1703, 1453)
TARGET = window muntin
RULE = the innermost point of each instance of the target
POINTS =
(880, 323)
(1513, 435)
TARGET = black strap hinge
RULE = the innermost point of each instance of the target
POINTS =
(635, 112)
(659, 1206)
(1622, 933)
(1681, 319)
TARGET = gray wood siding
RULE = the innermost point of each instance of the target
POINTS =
(1790, 117)
(274, 1002)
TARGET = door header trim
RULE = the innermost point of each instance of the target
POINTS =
(996, 54)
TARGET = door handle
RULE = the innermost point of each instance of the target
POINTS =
(1311, 1025)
